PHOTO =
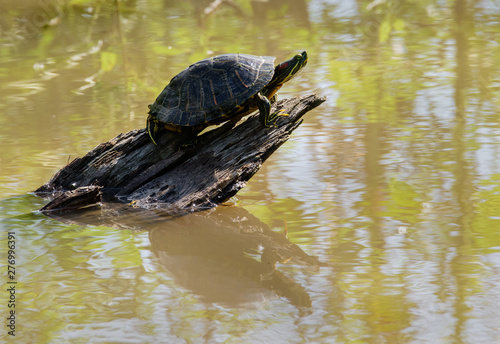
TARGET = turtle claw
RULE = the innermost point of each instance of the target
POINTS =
(275, 116)
(187, 145)
(283, 113)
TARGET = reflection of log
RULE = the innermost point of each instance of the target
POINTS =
(229, 256)
(130, 168)
(224, 255)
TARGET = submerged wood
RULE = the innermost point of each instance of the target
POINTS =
(131, 169)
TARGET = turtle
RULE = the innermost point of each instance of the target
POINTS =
(218, 89)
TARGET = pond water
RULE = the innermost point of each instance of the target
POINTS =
(377, 222)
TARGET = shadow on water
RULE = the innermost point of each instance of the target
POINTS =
(225, 255)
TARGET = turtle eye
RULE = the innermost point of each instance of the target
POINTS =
(297, 57)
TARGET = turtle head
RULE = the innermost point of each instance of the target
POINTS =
(286, 71)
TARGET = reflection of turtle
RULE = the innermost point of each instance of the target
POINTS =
(220, 88)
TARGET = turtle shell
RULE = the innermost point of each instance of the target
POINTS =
(209, 90)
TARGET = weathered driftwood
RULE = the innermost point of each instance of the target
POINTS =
(130, 168)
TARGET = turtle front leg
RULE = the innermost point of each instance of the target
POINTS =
(266, 118)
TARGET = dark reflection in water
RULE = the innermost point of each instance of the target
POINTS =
(230, 257)
(225, 256)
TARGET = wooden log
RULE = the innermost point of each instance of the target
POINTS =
(79, 198)
(130, 168)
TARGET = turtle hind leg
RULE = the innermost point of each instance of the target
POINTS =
(152, 127)
(188, 137)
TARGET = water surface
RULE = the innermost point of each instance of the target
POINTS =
(377, 222)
